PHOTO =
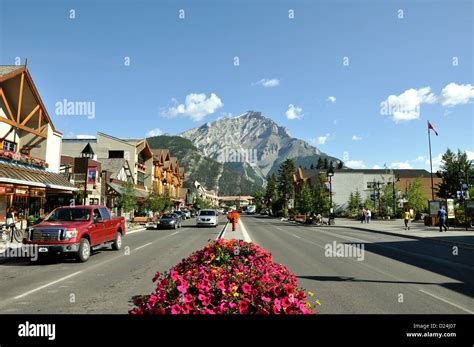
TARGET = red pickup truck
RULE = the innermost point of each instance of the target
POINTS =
(76, 230)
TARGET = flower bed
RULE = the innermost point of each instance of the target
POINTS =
(226, 277)
(22, 158)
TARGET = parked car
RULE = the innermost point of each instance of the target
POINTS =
(207, 217)
(187, 213)
(193, 213)
(77, 230)
(181, 215)
(169, 220)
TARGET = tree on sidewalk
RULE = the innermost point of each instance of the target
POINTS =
(305, 199)
(455, 170)
(416, 198)
(286, 185)
(320, 197)
(128, 199)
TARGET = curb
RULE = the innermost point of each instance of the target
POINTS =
(460, 244)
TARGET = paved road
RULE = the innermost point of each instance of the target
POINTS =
(424, 274)
(106, 282)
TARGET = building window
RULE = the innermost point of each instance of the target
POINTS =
(9, 146)
(370, 185)
(141, 178)
(141, 160)
(116, 154)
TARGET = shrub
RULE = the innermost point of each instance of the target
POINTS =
(226, 277)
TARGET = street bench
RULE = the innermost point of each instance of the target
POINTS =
(300, 218)
(140, 220)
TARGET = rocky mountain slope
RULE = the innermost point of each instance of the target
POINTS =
(252, 145)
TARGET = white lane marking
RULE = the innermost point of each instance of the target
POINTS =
(295, 236)
(74, 274)
(223, 233)
(134, 231)
(448, 302)
(245, 233)
(146, 244)
(47, 285)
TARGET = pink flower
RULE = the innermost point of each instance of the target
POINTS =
(183, 287)
(246, 288)
(175, 309)
(265, 299)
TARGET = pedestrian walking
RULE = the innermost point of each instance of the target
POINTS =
(233, 217)
(362, 215)
(10, 217)
(406, 218)
(368, 216)
(442, 219)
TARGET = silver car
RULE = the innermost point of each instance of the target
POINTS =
(207, 217)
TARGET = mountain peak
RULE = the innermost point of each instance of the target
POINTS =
(251, 142)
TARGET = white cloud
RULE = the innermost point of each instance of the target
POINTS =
(355, 164)
(356, 138)
(406, 106)
(154, 132)
(85, 137)
(196, 106)
(268, 83)
(457, 94)
(376, 167)
(470, 155)
(401, 165)
(420, 158)
(321, 140)
(294, 112)
(331, 99)
(437, 161)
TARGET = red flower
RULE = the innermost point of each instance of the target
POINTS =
(243, 307)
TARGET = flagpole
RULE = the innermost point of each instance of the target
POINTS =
(431, 161)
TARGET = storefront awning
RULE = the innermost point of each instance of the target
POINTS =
(22, 175)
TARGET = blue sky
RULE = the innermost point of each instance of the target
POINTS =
(418, 52)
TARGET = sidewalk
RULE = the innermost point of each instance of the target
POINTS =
(418, 230)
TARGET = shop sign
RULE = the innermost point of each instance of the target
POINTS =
(6, 190)
(450, 205)
(21, 191)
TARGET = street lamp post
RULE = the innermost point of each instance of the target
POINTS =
(394, 194)
(87, 153)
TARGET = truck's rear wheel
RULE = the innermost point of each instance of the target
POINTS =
(117, 245)
(84, 251)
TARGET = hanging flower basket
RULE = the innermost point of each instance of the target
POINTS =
(226, 277)
(22, 158)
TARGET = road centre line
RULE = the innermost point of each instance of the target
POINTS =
(146, 244)
(47, 285)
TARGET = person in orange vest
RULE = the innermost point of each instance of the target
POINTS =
(233, 217)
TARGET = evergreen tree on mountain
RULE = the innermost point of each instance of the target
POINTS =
(325, 164)
(320, 163)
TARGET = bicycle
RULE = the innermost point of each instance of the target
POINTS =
(10, 233)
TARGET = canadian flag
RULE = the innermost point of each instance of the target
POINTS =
(430, 126)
